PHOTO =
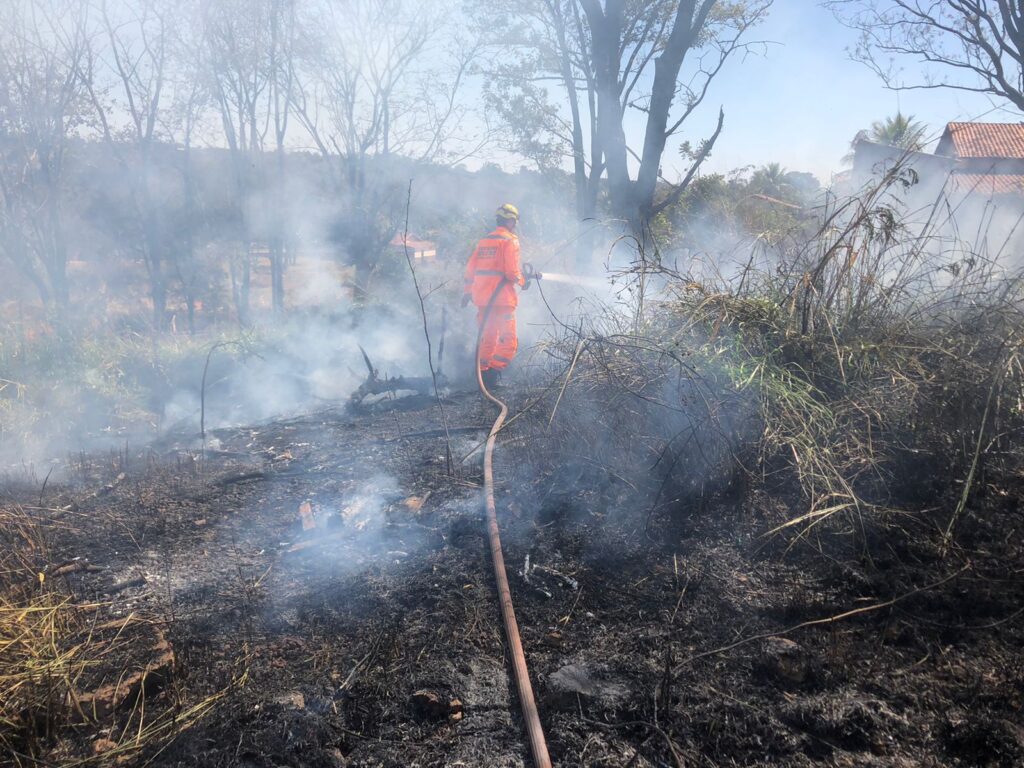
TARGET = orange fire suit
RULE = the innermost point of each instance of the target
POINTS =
(496, 258)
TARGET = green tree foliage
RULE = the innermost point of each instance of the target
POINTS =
(567, 76)
(772, 180)
(766, 204)
(899, 131)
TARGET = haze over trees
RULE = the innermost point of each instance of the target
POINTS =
(382, 79)
(590, 93)
(369, 85)
(149, 80)
(43, 101)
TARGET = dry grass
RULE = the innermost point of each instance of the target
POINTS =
(39, 661)
(51, 646)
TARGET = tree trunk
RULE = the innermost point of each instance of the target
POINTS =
(586, 237)
(606, 33)
(188, 282)
(633, 201)
(154, 265)
(578, 150)
(688, 23)
(244, 309)
(278, 238)
(56, 252)
(158, 293)
(277, 277)
(240, 279)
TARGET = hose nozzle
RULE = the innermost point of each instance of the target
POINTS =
(530, 274)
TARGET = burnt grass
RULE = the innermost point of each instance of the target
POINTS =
(651, 641)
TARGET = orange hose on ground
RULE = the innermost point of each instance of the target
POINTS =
(534, 730)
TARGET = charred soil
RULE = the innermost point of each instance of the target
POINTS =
(325, 584)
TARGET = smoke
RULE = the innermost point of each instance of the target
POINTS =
(311, 361)
(660, 407)
(359, 511)
(108, 378)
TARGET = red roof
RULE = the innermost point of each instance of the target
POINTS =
(988, 183)
(988, 140)
(414, 243)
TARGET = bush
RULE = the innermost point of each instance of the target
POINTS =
(873, 366)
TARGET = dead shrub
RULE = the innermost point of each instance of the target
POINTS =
(873, 366)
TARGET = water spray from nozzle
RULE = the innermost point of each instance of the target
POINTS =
(586, 282)
(531, 274)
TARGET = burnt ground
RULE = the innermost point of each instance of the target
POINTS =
(375, 639)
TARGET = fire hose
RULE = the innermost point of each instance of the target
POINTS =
(520, 672)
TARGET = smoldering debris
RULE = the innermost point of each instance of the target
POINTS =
(378, 389)
(349, 527)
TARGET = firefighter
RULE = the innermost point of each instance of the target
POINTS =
(494, 263)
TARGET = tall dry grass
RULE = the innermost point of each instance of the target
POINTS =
(870, 361)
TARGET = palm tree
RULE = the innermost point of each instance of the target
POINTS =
(901, 131)
(772, 180)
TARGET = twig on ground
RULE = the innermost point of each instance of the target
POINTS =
(677, 758)
(568, 376)
(947, 537)
(818, 622)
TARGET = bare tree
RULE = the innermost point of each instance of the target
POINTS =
(131, 61)
(237, 36)
(282, 82)
(190, 98)
(547, 41)
(968, 45)
(251, 55)
(42, 103)
(612, 58)
(374, 96)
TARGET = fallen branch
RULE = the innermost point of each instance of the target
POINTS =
(361, 664)
(75, 566)
(818, 622)
(244, 477)
(438, 432)
(302, 546)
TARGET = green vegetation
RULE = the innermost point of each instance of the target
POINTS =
(62, 392)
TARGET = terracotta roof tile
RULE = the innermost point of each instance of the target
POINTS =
(986, 139)
(413, 242)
